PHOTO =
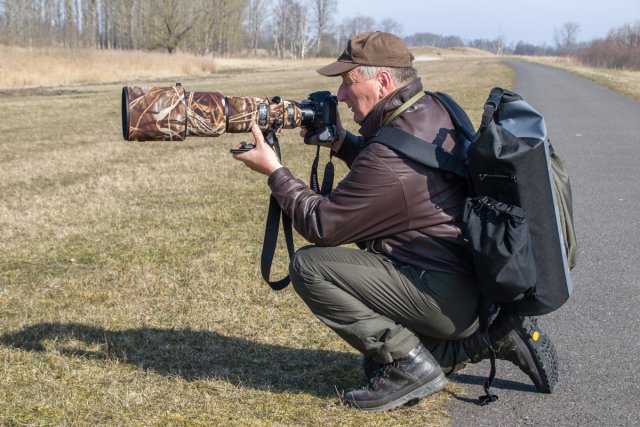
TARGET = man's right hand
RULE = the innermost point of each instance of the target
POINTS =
(340, 130)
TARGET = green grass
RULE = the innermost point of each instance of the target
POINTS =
(129, 272)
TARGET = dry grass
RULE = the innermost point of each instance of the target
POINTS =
(623, 81)
(45, 67)
(129, 280)
(454, 52)
(36, 67)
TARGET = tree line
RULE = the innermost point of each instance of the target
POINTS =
(282, 28)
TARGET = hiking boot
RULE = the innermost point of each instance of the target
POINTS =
(408, 379)
(370, 366)
(520, 341)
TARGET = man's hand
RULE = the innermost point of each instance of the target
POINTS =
(340, 130)
(262, 158)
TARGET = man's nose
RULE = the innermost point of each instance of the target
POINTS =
(342, 94)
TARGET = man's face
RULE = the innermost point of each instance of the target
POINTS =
(359, 94)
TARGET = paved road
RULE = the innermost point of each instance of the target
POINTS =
(597, 334)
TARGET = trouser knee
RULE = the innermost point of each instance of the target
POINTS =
(300, 269)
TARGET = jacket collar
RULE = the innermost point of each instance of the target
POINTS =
(385, 107)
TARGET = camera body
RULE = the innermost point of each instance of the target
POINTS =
(318, 114)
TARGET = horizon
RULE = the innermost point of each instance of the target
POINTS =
(537, 27)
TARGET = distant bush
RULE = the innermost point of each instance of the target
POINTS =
(620, 50)
(606, 54)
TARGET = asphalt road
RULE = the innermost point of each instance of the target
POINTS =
(596, 333)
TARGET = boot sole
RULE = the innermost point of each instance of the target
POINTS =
(418, 393)
(539, 351)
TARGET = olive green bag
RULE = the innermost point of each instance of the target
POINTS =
(563, 196)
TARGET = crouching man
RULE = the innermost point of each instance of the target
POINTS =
(408, 302)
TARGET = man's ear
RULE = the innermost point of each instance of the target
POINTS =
(386, 83)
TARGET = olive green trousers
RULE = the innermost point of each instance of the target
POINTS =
(384, 310)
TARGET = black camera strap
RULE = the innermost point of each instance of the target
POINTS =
(275, 214)
(327, 178)
(271, 240)
(273, 227)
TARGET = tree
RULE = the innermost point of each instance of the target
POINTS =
(257, 12)
(566, 36)
(627, 35)
(301, 38)
(280, 25)
(290, 28)
(174, 23)
(322, 11)
(357, 24)
(390, 26)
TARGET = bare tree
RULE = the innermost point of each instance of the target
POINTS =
(566, 37)
(280, 25)
(174, 23)
(257, 12)
(357, 24)
(627, 35)
(391, 26)
(89, 23)
(322, 11)
(300, 36)
(7, 22)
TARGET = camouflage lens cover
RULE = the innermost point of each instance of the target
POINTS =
(155, 113)
(171, 114)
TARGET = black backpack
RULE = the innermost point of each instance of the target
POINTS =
(518, 215)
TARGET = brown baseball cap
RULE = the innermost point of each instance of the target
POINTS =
(371, 48)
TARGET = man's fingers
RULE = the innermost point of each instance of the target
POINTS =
(257, 133)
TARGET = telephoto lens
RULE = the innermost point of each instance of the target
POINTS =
(172, 114)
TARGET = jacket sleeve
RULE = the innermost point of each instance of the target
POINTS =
(370, 202)
(349, 148)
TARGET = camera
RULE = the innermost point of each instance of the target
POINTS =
(319, 117)
(173, 114)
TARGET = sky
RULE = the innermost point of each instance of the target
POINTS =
(531, 21)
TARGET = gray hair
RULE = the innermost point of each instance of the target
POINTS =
(400, 75)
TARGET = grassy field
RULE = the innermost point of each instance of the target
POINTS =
(130, 291)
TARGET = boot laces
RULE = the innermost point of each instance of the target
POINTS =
(380, 377)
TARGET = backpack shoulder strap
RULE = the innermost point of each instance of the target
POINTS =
(459, 117)
(419, 150)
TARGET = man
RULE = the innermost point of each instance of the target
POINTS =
(409, 301)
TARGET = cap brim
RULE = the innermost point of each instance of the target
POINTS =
(336, 68)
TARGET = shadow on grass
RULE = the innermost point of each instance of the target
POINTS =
(198, 355)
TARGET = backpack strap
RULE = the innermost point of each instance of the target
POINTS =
(424, 152)
(490, 107)
(419, 150)
(401, 109)
(459, 117)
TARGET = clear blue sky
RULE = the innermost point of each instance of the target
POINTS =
(532, 21)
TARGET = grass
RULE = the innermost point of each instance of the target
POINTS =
(36, 67)
(626, 82)
(129, 278)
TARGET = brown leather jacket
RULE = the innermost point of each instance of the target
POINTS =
(398, 207)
